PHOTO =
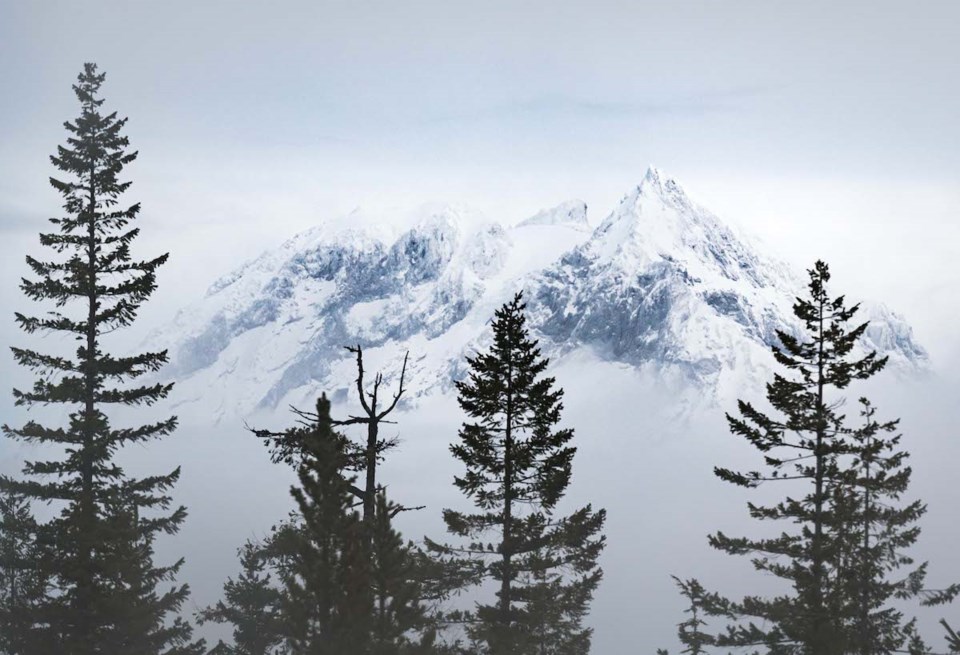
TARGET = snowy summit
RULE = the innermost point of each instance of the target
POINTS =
(661, 285)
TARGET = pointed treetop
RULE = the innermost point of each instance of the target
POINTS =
(88, 85)
(655, 182)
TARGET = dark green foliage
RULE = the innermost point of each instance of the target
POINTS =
(518, 466)
(689, 631)
(401, 622)
(343, 584)
(252, 604)
(100, 549)
(843, 534)
(23, 584)
(953, 639)
(287, 446)
(878, 531)
(802, 446)
(144, 627)
(328, 600)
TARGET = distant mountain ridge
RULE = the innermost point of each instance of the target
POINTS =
(661, 284)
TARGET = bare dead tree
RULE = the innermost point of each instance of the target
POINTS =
(286, 446)
(373, 415)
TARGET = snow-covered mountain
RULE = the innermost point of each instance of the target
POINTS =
(661, 285)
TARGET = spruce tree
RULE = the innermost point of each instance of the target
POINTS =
(343, 579)
(23, 583)
(252, 604)
(100, 550)
(689, 631)
(138, 599)
(328, 605)
(402, 624)
(878, 530)
(518, 466)
(362, 458)
(802, 445)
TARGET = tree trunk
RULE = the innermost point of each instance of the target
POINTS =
(507, 545)
(87, 505)
(820, 638)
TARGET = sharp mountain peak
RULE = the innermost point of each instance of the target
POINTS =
(661, 285)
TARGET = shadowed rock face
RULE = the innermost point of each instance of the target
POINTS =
(359, 274)
(664, 282)
(660, 282)
(626, 318)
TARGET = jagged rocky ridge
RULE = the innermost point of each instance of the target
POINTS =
(661, 284)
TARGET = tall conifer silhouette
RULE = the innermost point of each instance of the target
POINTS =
(844, 535)
(328, 604)
(877, 529)
(109, 593)
(344, 582)
(517, 468)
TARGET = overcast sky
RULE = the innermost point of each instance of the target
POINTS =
(828, 129)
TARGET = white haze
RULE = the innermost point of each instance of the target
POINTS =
(651, 471)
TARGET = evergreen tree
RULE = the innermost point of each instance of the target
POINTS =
(359, 458)
(140, 602)
(803, 446)
(328, 605)
(23, 584)
(98, 557)
(252, 604)
(518, 466)
(404, 579)
(953, 639)
(877, 532)
(689, 631)
(401, 623)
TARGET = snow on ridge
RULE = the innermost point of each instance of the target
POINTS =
(572, 213)
(889, 333)
(662, 285)
(658, 221)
